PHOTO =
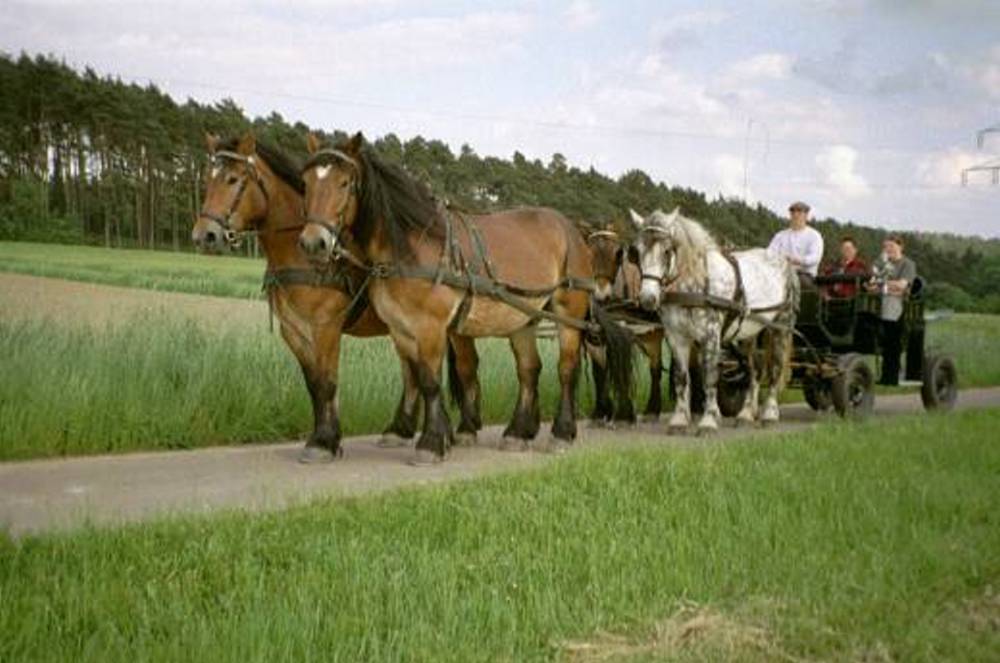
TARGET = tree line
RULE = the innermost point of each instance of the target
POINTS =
(92, 159)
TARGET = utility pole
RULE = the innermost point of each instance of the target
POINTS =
(991, 166)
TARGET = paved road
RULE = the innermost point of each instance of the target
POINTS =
(45, 495)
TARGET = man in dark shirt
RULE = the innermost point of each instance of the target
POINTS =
(894, 274)
(850, 263)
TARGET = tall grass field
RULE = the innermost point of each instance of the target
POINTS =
(863, 542)
(166, 381)
(224, 276)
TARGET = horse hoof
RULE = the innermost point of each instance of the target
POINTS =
(508, 443)
(465, 439)
(677, 429)
(425, 458)
(707, 431)
(744, 423)
(767, 423)
(392, 441)
(316, 455)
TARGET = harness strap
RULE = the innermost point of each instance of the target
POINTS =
(337, 279)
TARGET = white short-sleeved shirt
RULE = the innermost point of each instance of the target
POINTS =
(804, 245)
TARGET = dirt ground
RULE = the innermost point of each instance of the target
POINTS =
(44, 495)
(73, 302)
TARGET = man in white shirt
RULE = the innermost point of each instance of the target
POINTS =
(799, 244)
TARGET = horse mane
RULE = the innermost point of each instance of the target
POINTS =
(282, 165)
(404, 204)
(691, 243)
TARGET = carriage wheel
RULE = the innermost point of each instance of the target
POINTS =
(940, 390)
(817, 394)
(730, 396)
(853, 389)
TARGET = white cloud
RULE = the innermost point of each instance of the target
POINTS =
(837, 164)
(944, 169)
(581, 14)
(727, 169)
(683, 30)
(774, 66)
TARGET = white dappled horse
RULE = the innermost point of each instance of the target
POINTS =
(708, 299)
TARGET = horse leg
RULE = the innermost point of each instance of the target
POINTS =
(404, 423)
(652, 345)
(572, 304)
(748, 413)
(779, 344)
(463, 382)
(680, 350)
(436, 435)
(603, 407)
(320, 365)
(526, 419)
(711, 354)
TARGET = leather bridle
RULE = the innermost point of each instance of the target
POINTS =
(666, 280)
(337, 227)
(250, 174)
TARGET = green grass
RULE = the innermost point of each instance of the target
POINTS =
(166, 382)
(155, 270)
(846, 543)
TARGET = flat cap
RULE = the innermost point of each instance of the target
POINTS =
(798, 206)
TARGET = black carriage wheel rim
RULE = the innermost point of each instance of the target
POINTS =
(944, 383)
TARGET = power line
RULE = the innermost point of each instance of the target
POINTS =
(492, 118)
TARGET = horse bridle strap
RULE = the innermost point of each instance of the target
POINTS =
(248, 161)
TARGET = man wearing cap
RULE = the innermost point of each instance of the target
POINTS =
(798, 243)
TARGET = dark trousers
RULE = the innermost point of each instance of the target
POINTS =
(892, 347)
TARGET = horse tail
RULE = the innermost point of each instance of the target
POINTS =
(619, 345)
(455, 389)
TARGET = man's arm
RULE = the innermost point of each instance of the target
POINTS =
(814, 253)
(907, 274)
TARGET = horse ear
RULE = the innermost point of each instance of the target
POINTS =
(312, 143)
(211, 142)
(676, 213)
(354, 145)
(637, 220)
(248, 144)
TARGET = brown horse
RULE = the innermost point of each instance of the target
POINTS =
(616, 283)
(435, 272)
(251, 187)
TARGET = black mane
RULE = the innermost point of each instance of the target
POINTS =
(282, 165)
(387, 192)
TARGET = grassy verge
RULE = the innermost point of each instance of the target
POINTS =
(165, 382)
(876, 541)
(154, 270)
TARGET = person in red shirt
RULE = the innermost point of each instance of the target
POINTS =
(849, 263)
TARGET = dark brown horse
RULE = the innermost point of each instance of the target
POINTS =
(617, 280)
(437, 272)
(251, 187)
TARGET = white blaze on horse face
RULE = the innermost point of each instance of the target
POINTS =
(215, 171)
(653, 266)
(322, 172)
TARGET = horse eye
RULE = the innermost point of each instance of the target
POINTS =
(232, 179)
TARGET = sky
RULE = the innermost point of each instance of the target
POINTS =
(866, 109)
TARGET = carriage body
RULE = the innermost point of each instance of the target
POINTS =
(837, 336)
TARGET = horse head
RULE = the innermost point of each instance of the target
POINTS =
(333, 181)
(236, 198)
